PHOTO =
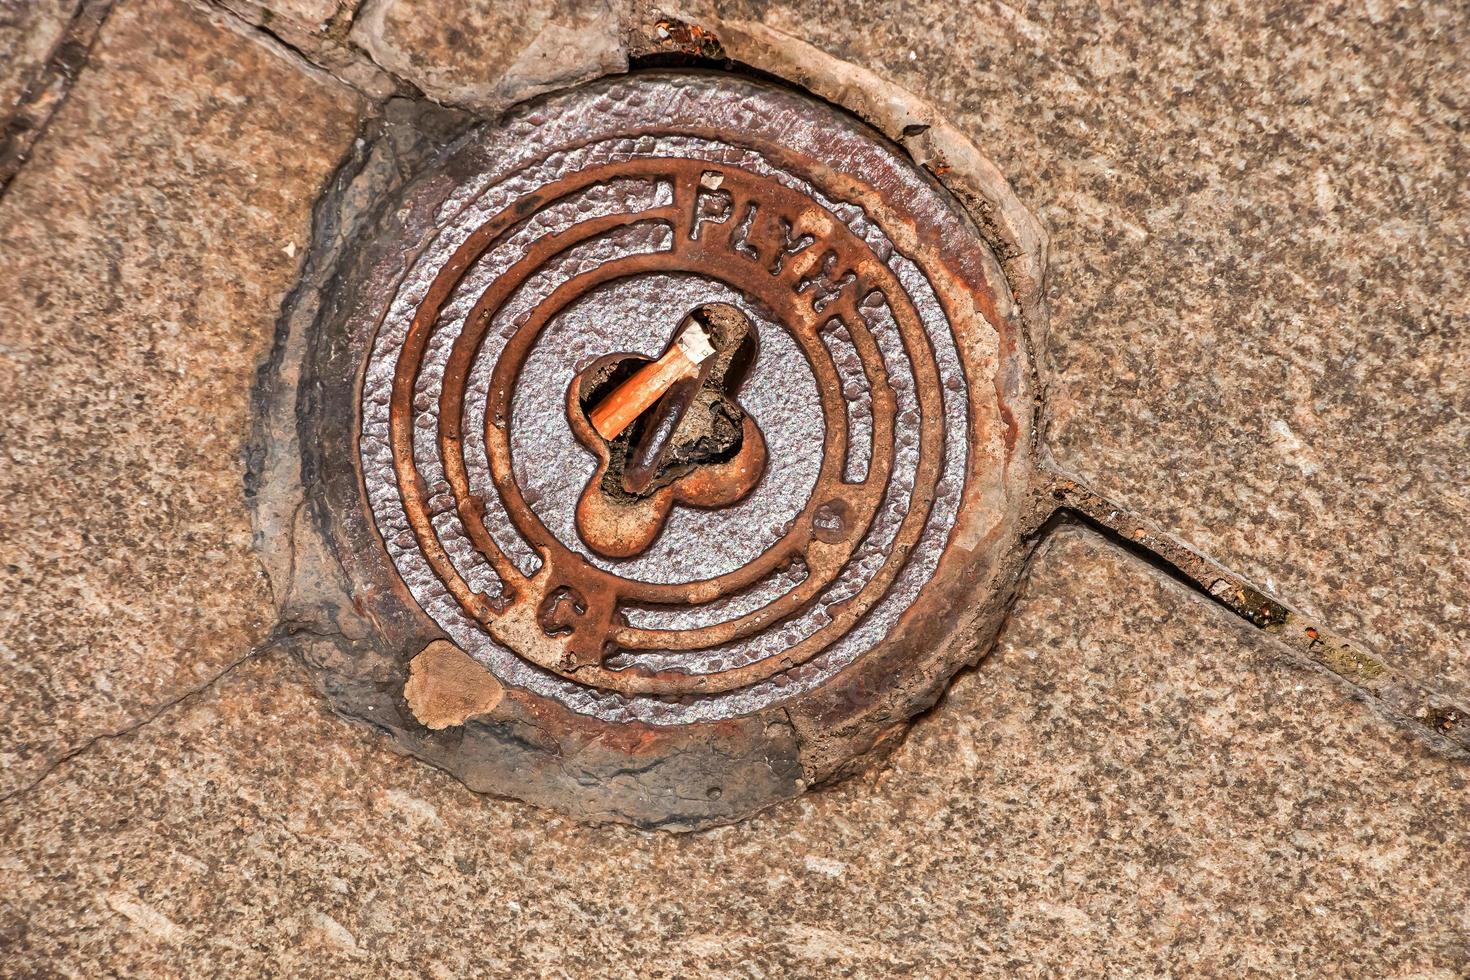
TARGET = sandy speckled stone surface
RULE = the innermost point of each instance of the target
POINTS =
(309, 13)
(1258, 337)
(145, 249)
(486, 54)
(1134, 781)
(29, 29)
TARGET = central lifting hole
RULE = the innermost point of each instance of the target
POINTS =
(662, 418)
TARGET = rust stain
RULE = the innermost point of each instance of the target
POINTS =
(689, 39)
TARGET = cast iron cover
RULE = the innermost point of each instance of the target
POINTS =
(757, 583)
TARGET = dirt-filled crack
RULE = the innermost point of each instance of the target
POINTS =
(45, 94)
(1394, 692)
(281, 635)
(331, 52)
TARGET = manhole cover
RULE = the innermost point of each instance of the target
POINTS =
(672, 434)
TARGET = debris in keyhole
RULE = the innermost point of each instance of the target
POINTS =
(640, 392)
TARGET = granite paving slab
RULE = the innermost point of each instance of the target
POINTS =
(146, 249)
(1134, 783)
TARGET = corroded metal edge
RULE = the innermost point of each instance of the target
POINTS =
(361, 628)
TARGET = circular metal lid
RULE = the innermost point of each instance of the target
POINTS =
(674, 431)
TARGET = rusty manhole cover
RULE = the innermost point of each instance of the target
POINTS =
(685, 423)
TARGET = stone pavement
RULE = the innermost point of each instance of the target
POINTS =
(1257, 339)
(1131, 783)
(147, 245)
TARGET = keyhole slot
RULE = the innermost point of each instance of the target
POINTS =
(686, 414)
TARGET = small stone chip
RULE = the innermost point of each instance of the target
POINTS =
(446, 687)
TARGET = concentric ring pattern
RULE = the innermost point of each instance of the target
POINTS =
(592, 226)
